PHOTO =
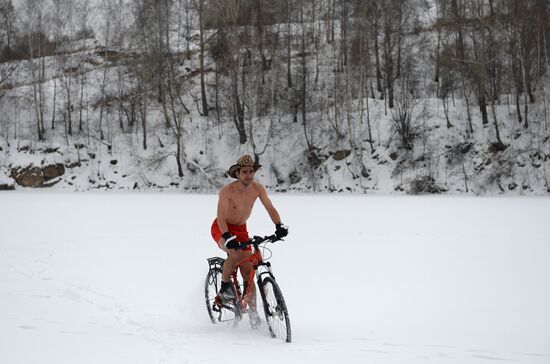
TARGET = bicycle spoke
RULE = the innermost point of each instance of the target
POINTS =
(276, 311)
(218, 312)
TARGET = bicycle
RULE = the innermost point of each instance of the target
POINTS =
(276, 312)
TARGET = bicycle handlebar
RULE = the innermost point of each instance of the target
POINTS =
(257, 240)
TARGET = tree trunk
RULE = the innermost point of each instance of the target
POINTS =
(495, 124)
(201, 59)
(388, 62)
(518, 107)
(102, 100)
(288, 45)
(35, 88)
(333, 20)
(483, 62)
(437, 56)
(399, 38)
(238, 112)
(143, 111)
(344, 33)
(69, 105)
(466, 99)
(42, 73)
(526, 104)
(54, 99)
(377, 52)
(120, 101)
(445, 101)
(260, 34)
(483, 108)
(81, 103)
(304, 69)
(178, 150)
(217, 96)
(457, 19)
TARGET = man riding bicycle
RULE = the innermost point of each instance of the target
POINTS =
(235, 203)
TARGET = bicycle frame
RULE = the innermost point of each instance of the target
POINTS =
(243, 299)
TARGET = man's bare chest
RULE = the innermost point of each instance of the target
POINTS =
(242, 201)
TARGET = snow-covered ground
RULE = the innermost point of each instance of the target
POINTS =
(118, 278)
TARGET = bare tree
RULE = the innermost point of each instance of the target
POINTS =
(481, 47)
(6, 70)
(7, 29)
(403, 116)
(200, 8)
(153, 23)
(391, 29)
(288, 16)
(7, 34)
(363, 66)
(375, 34)
(106, 7)
(228, 13)
(36, 38)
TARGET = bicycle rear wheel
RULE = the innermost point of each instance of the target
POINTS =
(218, 312)
(276, 312)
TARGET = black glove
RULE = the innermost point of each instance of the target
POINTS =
(230, 241)
(281, 230)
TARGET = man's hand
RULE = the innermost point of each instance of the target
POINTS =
(281, 230)
(230, 241)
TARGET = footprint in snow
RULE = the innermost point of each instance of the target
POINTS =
(488, 357)
(27, 327)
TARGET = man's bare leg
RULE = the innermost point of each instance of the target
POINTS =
(246, 269)
(233, 257)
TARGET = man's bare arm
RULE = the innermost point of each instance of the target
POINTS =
(223, 206)
(271, 210)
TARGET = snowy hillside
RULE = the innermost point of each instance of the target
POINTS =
(444, 162)
(366, 99)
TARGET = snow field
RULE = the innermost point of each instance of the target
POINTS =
(119, 277)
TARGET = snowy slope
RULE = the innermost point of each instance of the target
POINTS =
(457, 161)
(118, 278)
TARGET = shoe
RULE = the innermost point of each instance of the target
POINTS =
(254, 319)
(227, 293)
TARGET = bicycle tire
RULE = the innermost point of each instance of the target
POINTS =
(276, 312)
(218, 314)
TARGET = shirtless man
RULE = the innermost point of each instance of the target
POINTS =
(235, 203)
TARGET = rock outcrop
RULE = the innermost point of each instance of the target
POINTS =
(34, 176)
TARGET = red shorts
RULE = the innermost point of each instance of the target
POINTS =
(238, 230)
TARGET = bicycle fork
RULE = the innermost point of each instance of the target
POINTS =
(259, 278)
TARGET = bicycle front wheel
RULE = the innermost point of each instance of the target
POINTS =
(276, 312)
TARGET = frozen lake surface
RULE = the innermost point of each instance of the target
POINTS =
(118, 278)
